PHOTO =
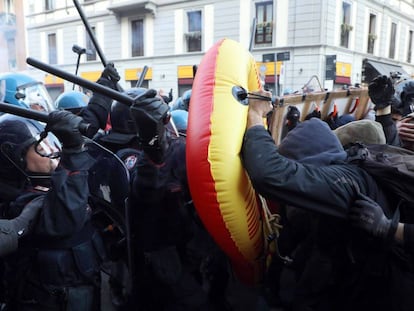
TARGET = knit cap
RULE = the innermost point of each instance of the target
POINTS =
(364, 131)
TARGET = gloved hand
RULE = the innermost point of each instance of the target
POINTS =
(368, 215)
(23, 223)
(11, 230)
(65, 125)
(151, 115)
(8, 237)
(110, 73)
(381, 91)
(292, 117)
(170, 96)
(109, 76)
(316, 113)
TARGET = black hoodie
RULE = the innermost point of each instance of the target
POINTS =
(320, 182)
(312, 142)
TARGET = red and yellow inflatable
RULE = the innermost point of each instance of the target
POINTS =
(220, 188)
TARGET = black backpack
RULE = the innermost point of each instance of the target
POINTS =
(392, 167)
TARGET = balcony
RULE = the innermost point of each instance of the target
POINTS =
(8, 25)
(7, 19)
(129, 7)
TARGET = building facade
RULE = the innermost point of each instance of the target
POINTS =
(333, 42)
(12, 36)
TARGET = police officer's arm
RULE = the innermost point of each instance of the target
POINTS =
(99, 106)
(151, 114)
(13, 229)
(65, 205)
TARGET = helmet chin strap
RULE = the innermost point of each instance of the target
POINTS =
(41, 180)
(5, 153)
(34, 178)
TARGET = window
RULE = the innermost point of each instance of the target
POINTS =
(11, 50)
(264, 19)
(372, 33)
(90, 46)
(393, 34)
(144, 84)
(410, 46)
(9, 6)
(346, 26)
(49, 5)
(193, 36)
(51, 40)
(137, 37)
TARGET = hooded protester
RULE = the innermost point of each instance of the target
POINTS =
(319, 182)
(313, 241)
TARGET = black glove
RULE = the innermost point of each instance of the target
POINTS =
(381, 91)
(170, 96)
(11, 230)
(8, 237)
(292, 117)
(367, 215)
(316, 113)
(109, 76)
(332, 120)
(65, 125)
(110, 73)
(24, 222)
(151, 115)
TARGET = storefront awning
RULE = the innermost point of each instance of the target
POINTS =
(373, 68)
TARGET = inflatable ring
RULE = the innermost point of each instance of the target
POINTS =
(221, 190)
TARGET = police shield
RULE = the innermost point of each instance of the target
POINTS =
(109, 190)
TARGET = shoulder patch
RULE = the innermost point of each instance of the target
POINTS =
(41, 188)
(130, 161)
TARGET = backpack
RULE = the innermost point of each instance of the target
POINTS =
(392, 167)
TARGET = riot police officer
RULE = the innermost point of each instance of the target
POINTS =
(57, 264)
(172, 248)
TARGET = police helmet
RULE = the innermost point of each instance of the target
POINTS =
(403, 101)
(17, 135)
(24, 91)
(180, 119)
(73, 101)
(186, 99)
(178, 104)
(123, 127)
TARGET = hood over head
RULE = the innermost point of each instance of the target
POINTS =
(313, 142)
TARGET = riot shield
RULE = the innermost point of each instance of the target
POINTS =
(109, 190)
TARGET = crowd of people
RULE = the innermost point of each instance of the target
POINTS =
(344, 245)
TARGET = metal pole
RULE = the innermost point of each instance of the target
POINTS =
(24, 112)
(90, 32)
(35, 115)
(76, 71)
(95, 87)
(142, 76)
(92, 37)
(276, 78)
(253, 34)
